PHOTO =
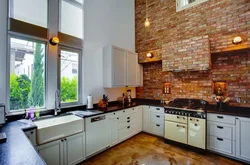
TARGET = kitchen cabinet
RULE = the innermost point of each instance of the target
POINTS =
(242, 138)
(120, 68)
(146, 119)
(98, 134)
(114, 121)
(221, 134)
(176, 132)
(31, 135)
(157, 120)
(66, 151)
(139, 110)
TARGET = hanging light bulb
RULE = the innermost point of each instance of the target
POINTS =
(146, 23)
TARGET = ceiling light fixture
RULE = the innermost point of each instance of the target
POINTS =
(146, 23)
(237, 40)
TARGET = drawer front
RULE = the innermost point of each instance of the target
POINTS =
(125, 112)
(157, 129)
(157, 109)
(113, 115)
(176, 132)
(157, 118)
(126, 123)
(126, 132)
(225, 131)
(221, 145)
(176, 118)
(131, 110)
(221, 118)
(127, 117)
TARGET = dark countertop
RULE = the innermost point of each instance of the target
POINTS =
(18, 149)
(231, 110)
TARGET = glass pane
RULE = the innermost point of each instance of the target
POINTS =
(26, 74)
(30, 11)
(71, 22)
(69, 76)
(186, 2)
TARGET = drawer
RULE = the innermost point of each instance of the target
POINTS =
(176, 132)
(126, 132)
(221, 145)
(176, 118)
(221, 118)
(126, 123)
(125, 112)
(127, 117)
(113, 115)
(157, 109)
(157, 129)
(225, 131)
(157, 118)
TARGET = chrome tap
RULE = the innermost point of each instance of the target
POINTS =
(57, 102)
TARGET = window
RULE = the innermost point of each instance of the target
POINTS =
(27, 64)
(69, 76)
(184, 4)
(30, 11)
(71, 17)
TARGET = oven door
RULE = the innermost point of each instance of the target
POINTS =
(197, 132)
(176, 132)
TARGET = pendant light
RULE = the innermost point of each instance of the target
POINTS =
(146, 23)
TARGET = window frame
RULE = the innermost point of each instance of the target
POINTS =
(180, 8)
(32, 39)
(79, 83)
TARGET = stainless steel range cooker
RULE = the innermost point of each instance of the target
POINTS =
(185, 122)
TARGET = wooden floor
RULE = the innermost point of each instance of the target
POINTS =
(144, 149)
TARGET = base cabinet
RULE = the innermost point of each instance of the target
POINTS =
(66, 151)
(139, 119)
(242, 138)
(146, 119)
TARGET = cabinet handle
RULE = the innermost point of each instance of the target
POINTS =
(178, 117)
(197, 120)
(62, 140)
(180, 125)
(65, 139)
(117, 118)
(158, 125)
(191, 119)
(128, 121)
(128, 127)
(219, 139)
(133, 109)
(31, 132)
(219, 127)
(237, 118)
(184, 118)
(195, 124)
(158, 109)
(124, 111)
(220, 117)
(114, 113)
(158, 116)
(128, 117)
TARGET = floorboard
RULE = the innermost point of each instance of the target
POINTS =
(145, 149)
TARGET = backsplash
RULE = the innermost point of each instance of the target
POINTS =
(233, 68)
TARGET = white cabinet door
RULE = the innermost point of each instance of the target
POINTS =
(139, 119)
(74, 149)
(176, 132)
(32, 136)
(242, 138)
(52, 153)
(146, 119)
(119, 70)
(114, 131)
(132, 62)
(139, 76)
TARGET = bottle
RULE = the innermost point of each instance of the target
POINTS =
(37, 112)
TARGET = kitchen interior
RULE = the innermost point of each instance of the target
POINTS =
(156, 82)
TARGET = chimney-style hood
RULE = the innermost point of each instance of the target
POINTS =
(187, 55)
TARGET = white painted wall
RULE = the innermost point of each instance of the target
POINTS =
(3, 50)
(106, 22)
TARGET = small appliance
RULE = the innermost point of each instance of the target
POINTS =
(90, 102)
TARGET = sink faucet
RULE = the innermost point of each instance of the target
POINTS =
(57, 102)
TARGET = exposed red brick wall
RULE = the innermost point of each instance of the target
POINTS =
(188, 54)
(221, 20)
(232, 68)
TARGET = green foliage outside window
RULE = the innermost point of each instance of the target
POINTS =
(68, 89)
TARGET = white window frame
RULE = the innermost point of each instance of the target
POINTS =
(79, 83)
(179, 8)
(29, 38)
